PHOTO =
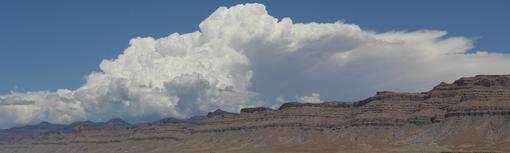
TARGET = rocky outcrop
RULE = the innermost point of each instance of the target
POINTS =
(221, 114)
(256, 110)
(115, 123)
(320, 105)
(472, 112)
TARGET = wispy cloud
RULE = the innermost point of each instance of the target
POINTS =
(241, 56)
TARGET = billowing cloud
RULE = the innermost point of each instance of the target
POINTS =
(241, 56)
(314, 98)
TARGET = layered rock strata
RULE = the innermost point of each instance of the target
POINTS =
(472, 113)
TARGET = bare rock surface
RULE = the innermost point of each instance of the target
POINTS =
(471, 114)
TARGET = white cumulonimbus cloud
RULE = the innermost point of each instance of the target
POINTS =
(241, 57)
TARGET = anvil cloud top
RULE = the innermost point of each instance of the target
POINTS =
(241, 56)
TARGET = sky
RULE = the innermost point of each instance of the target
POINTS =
(65, 61)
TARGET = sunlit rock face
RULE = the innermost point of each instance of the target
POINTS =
(471, 114)
(240, 57)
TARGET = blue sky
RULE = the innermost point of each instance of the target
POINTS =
(96, 60)
(54, 44)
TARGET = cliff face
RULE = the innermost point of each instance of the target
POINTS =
(482, 95)
(472, 114)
